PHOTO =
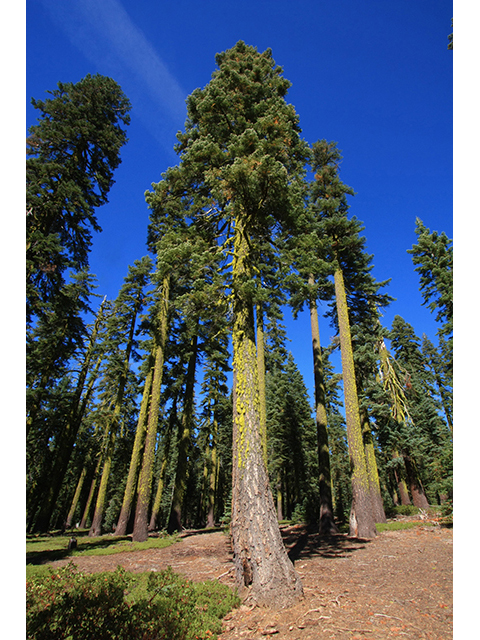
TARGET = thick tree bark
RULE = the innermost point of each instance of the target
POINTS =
(279, 498)
(140, 529)
(362, 522)
(261, 561)
(175, 521)
(326, 521)
(133, 470)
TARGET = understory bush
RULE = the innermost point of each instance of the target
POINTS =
(121, 605)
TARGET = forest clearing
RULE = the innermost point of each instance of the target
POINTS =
(176, 411)
(398, 585)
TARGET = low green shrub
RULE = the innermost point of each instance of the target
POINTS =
(121, 605)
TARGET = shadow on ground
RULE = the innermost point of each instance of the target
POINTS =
(306, 542)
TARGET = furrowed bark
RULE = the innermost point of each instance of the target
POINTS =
(261, 561)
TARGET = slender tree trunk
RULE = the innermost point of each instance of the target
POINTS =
(68, 436)
(261, 561)
(362, 522)
(76, 496)
(91, 493)
(163, 469)
(175, 521)
(261, 380)
(416, 488)
(372, 470)
(133, 470)
(96, 527)
(326, 521)
(213, 472)
(140, 529)
(401, 484)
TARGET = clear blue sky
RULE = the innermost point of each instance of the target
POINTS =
(374, 76)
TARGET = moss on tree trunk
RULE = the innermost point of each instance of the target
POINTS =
(362, 521)
(326, 523)
(261, 561)
(133, 469)
(140, 528)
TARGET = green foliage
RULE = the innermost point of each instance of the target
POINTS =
(73, 152)
(433, 260)
(292, 442)
(121, 605)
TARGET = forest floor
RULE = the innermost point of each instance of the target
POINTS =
(398, 585)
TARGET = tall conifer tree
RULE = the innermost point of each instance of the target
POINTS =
(241, 151)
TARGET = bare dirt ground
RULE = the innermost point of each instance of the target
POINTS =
(398, 585)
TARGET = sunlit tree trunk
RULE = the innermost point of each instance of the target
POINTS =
(76, 497)
(362, 521)
(372, 470)
(140, 530)
(261, 378)
(133, 470)
(260, 559)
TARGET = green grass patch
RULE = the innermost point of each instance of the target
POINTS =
(44, 549)
(397, 525)
(159, 605)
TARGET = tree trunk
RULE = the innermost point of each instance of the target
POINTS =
(362, 522)
(261, 561)
(401, 484)
(279, 498)
(161, 480)
(66, 440)
(416, 488)
(86, 511)
(372, 470)
(121, 528)
(175, 521)
(213, 473)
(140, 529)
(71, 513)
(261, 380)
(96, 526)
(326, 521)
